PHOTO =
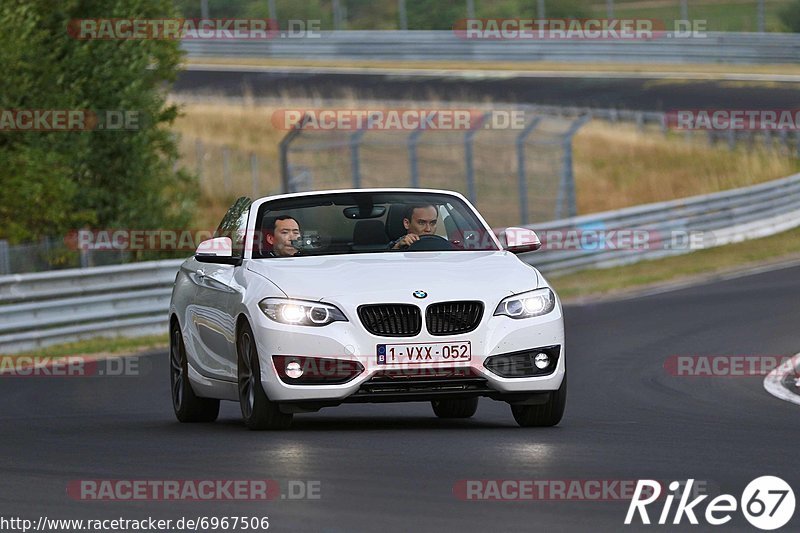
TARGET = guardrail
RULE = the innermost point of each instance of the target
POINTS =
(668, 228)
(129, 300)
(69, 305)
(395, 45)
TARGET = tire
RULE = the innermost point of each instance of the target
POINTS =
(257, 411)
(188, 406)
(455, 408)
(545, 415)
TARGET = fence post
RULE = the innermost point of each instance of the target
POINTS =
(401, 12)
(254, 173)
(566, 190)
(355, 143)
(413, 139)
(521, 174)
(468, 157)
(284, 149)
(5, 258)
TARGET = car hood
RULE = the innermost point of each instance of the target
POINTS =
(382, 277)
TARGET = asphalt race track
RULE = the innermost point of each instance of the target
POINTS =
(393, 467)
(626, 93)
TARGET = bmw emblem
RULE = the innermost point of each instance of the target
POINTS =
(420, 294)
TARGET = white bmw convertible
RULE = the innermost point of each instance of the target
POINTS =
(311, 300)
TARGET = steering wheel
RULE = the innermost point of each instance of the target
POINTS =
(431, 243)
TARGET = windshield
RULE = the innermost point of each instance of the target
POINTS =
(368, 222)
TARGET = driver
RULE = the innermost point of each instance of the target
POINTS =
(418, 220)
(280, 232)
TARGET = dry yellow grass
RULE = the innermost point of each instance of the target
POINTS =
(616, 165)
(205, 129)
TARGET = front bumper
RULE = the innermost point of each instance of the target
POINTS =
(350, 341)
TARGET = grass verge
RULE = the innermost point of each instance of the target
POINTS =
(101, 346)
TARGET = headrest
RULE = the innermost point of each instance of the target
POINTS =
(369, 232)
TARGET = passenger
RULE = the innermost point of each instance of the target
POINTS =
(280, 232)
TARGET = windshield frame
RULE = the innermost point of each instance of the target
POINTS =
(261, 205)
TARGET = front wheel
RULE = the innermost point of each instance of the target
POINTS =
(455, 407)
(258, 412)
(547, 414)
(188, 406)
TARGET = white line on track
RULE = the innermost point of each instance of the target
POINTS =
(773, 383)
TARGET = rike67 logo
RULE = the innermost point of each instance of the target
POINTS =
(767, 503)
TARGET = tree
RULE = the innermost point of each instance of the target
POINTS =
(55, 181)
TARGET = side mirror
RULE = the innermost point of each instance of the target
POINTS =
(520, 240)
(217, 250)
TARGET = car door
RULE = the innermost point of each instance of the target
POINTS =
(217, 298)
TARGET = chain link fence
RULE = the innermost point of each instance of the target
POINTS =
(54, 253)
(514, 175)
(224, 172)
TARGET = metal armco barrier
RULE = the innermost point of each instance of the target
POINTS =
(668, 228)
(129, 300)
(68, 305)
(394, 45)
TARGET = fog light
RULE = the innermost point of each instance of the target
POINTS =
(304, 370)
(525, 364)
(293, 370)
(541, 361)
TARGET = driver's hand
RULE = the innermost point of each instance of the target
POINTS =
(407, 241)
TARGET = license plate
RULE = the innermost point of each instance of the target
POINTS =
(422, 353)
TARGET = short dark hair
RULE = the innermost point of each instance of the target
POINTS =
(269, 222)
(409, 211)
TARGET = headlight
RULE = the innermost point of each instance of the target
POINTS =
(528, 304)
(300, 312)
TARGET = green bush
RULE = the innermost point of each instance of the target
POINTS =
(790, 16)
(52, 182)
